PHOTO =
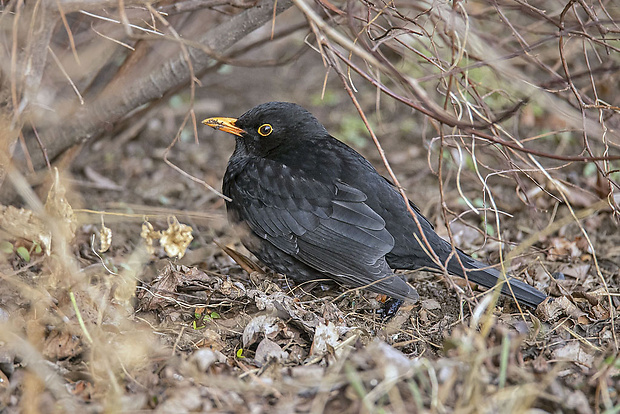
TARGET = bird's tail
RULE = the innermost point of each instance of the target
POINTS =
(488, 277)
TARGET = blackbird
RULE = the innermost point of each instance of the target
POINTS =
(311, 207)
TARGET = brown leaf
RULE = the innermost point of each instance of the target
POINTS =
(61, 345)
(576, 270)
(559, 248)
(81, 388)
(600, 312)
(562, 305)
(286, 308)
(267, 349)
(211, 340)
(162, 290)
(574, 351)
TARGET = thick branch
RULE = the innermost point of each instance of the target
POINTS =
(112, 105)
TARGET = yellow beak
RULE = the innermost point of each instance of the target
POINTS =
(224, 124)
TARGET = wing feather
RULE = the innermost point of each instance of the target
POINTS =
(326, 226)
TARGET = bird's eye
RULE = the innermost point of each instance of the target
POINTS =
(265, 130)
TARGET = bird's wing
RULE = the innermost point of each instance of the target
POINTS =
(326, 226)
(350, 241)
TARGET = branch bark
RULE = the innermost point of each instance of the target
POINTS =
(113, 103)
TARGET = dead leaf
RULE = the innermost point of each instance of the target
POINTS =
(81, 388)
(61, 345)
(574, 352)
(190, 400)
(281, 304)
(175, 239)
(172, 283)
(578, 271)
(600, 312)
(204, 358)
(267, 349)
(267, 325)
(562, 305)
(211, 340)
(600, 294)
(393, 361)
(560, 248)
(431, 304)
(162, 291)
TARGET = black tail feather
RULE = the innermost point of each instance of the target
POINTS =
(488, 277)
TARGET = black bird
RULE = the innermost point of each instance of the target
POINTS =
(311, 207)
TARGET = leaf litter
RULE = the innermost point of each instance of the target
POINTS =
(177, 335)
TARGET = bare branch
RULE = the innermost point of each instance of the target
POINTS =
(114, 102)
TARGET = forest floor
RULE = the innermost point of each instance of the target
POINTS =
(128, 330)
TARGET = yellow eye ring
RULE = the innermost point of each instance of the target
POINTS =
(265, 130)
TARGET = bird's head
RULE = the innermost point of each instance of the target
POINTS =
(270, 126)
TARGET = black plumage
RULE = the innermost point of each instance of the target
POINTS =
(312, 207)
